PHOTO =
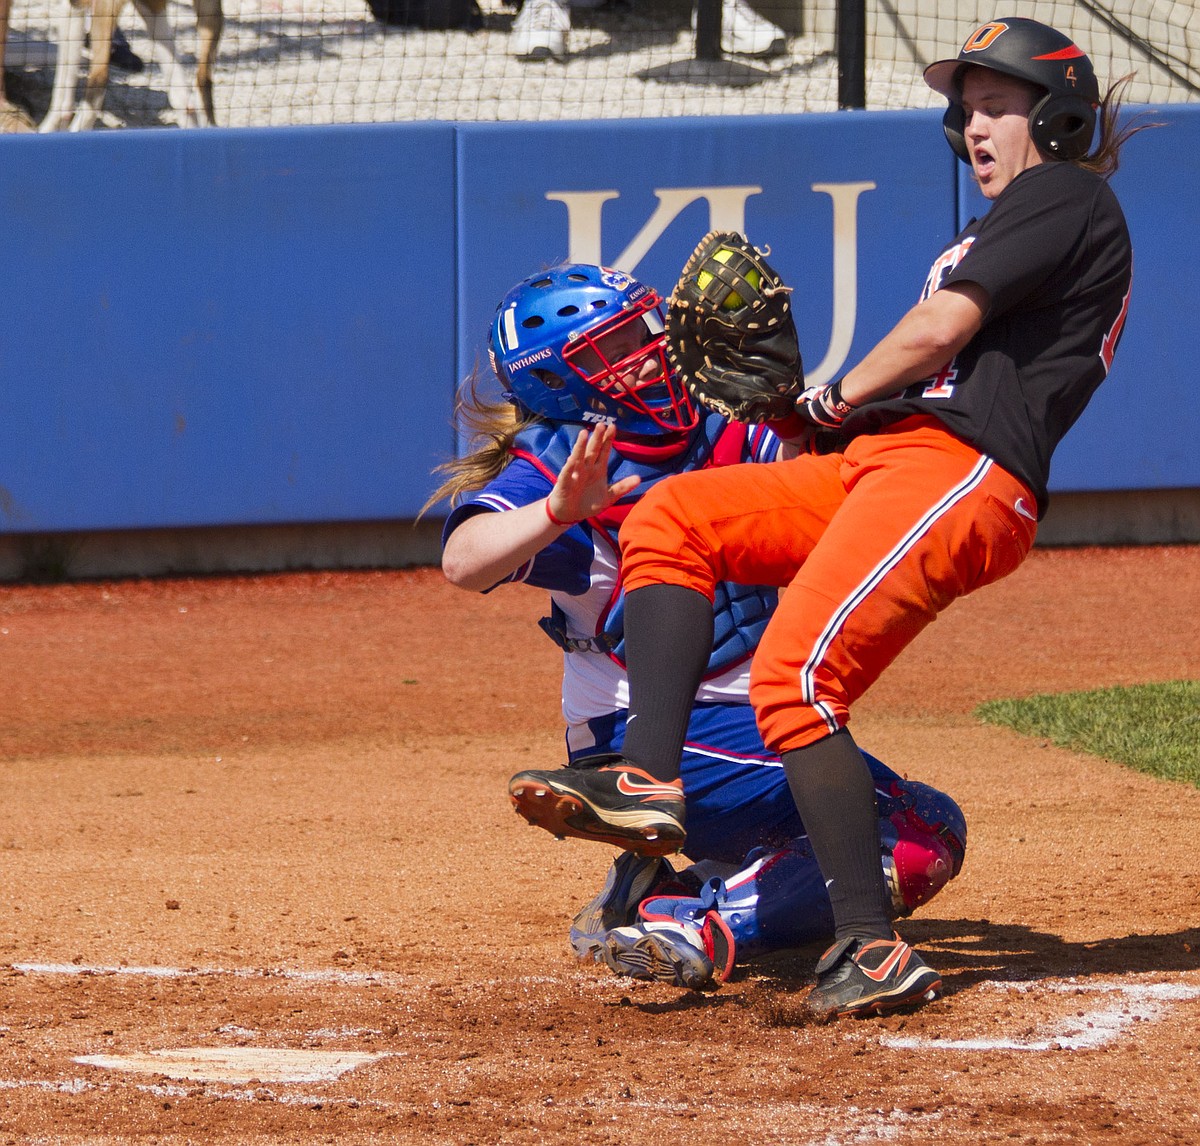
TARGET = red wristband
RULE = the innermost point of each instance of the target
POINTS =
(554, 520)
(790, 426)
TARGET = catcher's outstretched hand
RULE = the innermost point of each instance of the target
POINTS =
(730, 332)
(581, 489)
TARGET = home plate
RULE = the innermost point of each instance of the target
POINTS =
(237, 1064)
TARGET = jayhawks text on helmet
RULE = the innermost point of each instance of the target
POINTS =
(529, 359)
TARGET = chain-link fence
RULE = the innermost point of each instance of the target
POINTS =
(334, 61)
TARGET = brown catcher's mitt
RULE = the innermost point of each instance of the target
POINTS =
(730, 332)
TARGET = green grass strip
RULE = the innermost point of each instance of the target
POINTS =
(1154, 728)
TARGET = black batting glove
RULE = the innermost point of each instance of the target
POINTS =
(824, 406)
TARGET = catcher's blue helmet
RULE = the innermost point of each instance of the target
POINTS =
(582, 343)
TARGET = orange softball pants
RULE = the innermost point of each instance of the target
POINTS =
(871, 544)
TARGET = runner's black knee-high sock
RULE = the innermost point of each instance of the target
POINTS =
(835, 795)
(668, 640)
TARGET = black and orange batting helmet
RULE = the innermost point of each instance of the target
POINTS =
(1063, 122)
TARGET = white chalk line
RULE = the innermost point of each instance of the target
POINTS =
(350, 978)
(598, 985)
(1146, 1002)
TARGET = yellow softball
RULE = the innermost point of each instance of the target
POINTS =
(734, 300)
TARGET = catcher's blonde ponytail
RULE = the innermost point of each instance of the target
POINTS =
(491, 426)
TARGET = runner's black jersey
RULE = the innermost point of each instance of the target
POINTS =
(1054, 256)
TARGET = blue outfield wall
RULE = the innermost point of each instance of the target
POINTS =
(267, 326)
(224, 327)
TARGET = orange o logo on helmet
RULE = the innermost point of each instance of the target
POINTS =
(984, 37)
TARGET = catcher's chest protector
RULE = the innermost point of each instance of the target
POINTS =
(740, 612)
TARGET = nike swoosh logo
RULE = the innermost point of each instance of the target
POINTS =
(1020, 506)
(897, 958)
(629, 786)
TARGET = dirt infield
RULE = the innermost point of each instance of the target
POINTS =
(249, 816)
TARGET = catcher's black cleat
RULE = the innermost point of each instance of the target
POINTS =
(698, 953)
(631, 879)
(606, 799)
(856, 978)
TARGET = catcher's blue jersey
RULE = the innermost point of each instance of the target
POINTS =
(581, 567)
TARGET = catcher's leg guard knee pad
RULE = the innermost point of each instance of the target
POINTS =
(927, 842)
(920, 867)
